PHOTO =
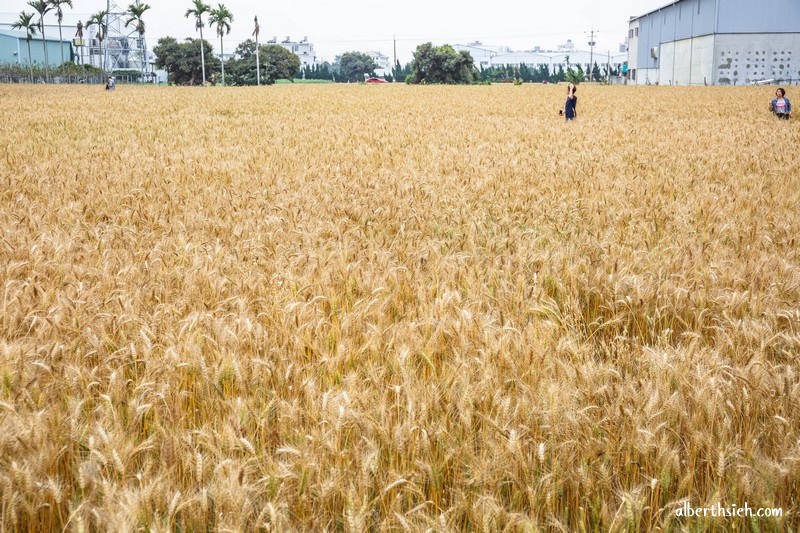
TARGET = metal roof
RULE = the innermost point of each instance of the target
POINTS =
(24, 35)
(656, 10)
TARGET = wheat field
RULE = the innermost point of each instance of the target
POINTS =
(386, 308)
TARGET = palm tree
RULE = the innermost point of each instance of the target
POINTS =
(41, 7)
(99, 20)
(222, 17)
(136, 13)
(26, 23)
(573, 77)
(79, 35)
(56, 4)
(197, 12)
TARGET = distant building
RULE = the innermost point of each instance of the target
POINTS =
(567, 46)
(499, 56)
(482, 54)
(553, 59)
(718, 42)
(14, 49)
(383, 62)
(303, 49)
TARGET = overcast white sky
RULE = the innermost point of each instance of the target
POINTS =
(336, 27)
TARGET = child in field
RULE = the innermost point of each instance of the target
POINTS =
(780, 105)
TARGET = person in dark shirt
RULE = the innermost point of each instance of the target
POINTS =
(571, 107)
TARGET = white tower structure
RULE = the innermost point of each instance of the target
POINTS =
(123, 48)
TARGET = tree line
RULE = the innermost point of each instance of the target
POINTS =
(182, 61)
(543, 73)
(430, 64)
(27, 23)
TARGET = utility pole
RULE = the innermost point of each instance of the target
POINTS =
(394, 67)
(79, 38)
(256, 31)
(591, 53)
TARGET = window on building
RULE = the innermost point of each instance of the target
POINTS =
(630, 33)
(636, 32)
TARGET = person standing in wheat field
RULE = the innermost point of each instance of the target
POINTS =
(571, 106)
(780, 105)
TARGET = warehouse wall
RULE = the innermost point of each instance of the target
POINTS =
(763, 16)
(745, 58)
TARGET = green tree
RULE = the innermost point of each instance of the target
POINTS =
(441, 64)
(135, 17)
(354, 65)
(525, 73)
(242, 68)
(319, 71)
(574, 76)
(277, 63)
(42, 7)
(543, 73)
(221, 17)
(26, 23)
(57, 5)
(558, 76)
(197, 11)
(324, 71)
(169, 55)
(399, 72)
(180, 60)
(596, 74)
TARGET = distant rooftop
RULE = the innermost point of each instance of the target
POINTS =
(635, 17)
(24, 35)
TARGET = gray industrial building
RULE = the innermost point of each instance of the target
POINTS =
(716, 42)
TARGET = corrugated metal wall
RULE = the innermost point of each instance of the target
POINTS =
(689, 18)
(8, 50)
(762, 16)
(695, 18)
